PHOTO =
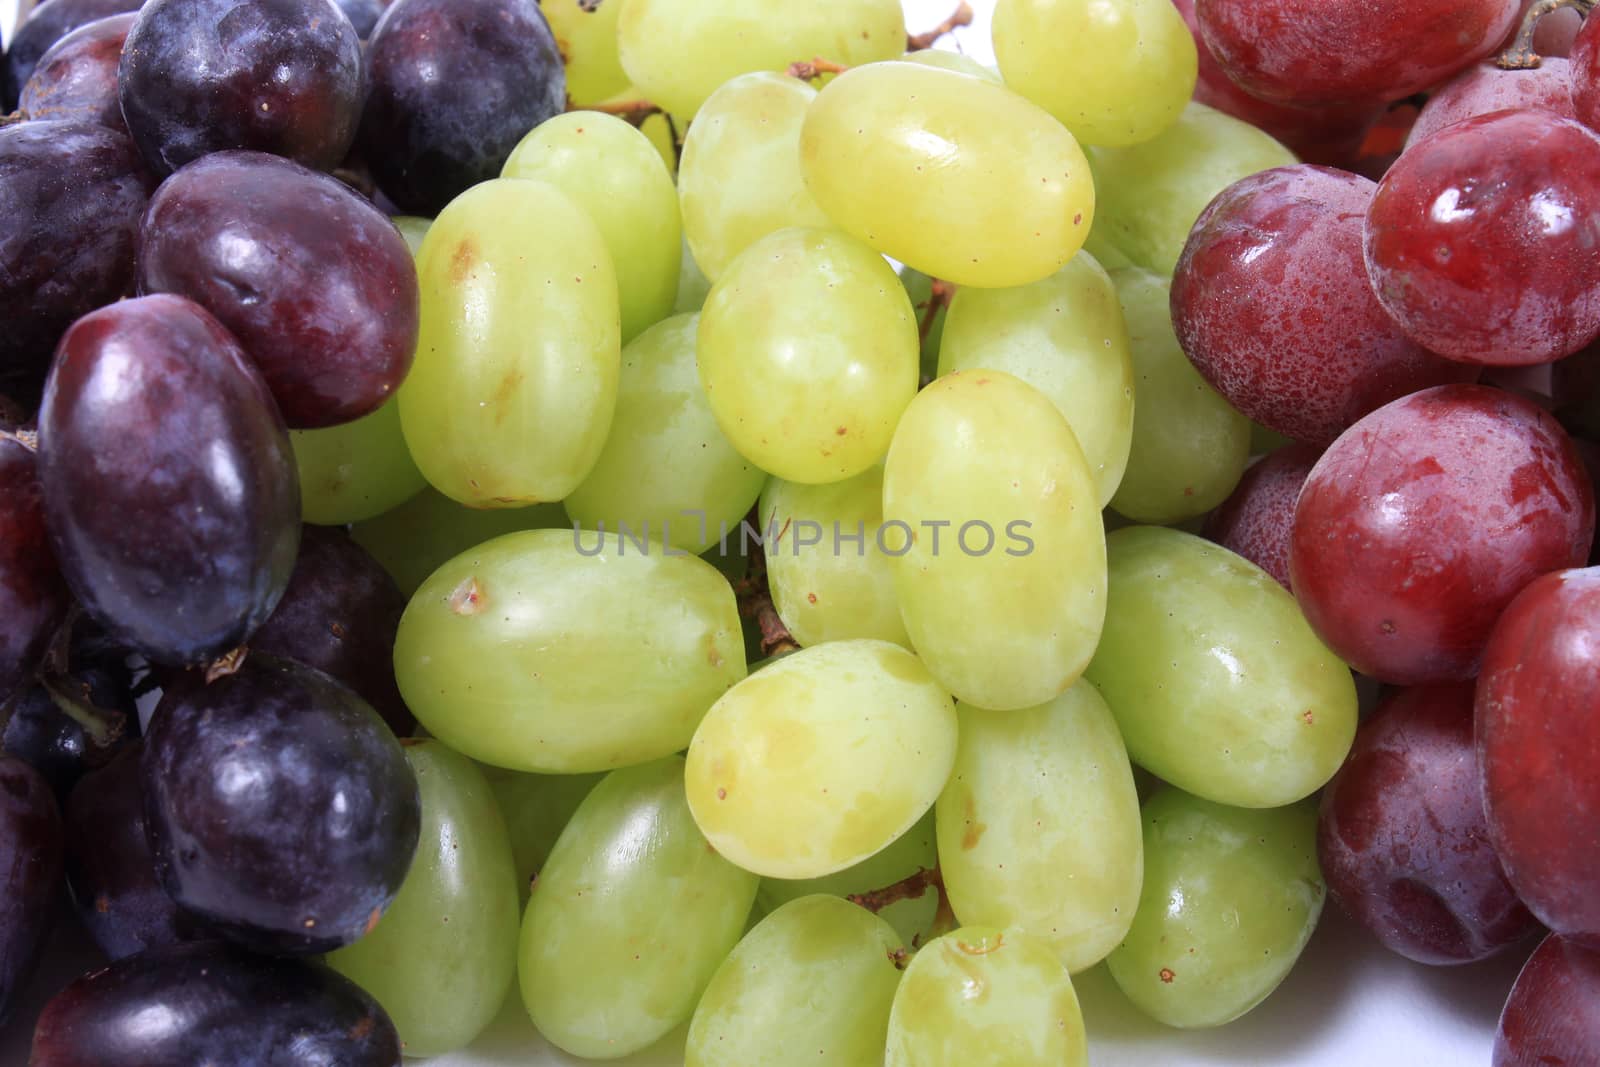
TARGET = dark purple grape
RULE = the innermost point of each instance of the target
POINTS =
(363, 15)
(280, 806)
(213, 1004)
(44, 26)
(1552, 1018)
(453, 85)
(168, 480)
(30, 872)
(77, 78)
(315, 282)
(340, 615)
(71, 196)
(280, 76)
(33, 598)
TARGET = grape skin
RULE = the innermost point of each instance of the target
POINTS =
(44, 26)
(76, 80)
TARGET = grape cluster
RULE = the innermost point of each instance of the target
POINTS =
(724, 516)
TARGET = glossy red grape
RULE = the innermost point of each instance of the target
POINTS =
(315, 282)
(1539, 740)
(71, 195)
(1420, 524)
(1271, 302)
(1483, 240)
(44, 26)
(30, 873)
(206, 1004)
(1349, 51)
(453, 86)
(77, 78)
(1585, 71)
(1552, 1018)
(1484, 88)
(33, 596)
(169, 484)
(1401, 836)
(1256, 519)
(280, 76)
(340, 615)
(281, 809)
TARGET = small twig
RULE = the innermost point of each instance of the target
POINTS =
(939, 297)
(1521, 56)
(909, 888)
(28, 439)
(755, 602)
(814, 68)
(226, 664)
(962, 16)
(677, 141)
(12, 119)
(633, 112)
(104, 726)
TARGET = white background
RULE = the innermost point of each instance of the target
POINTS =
(1347, 1002)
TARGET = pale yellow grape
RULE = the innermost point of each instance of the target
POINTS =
(667, 474)
(808, 351)
(1152, 193)
(821, 759)
(1065, 337)
(1004, 600)
(586, 33)
(1105, 253)
(681, 51)
(509, 400)
(811, 984)
(1190, 446)
(693, 286)
(631, 916)
(838, 587)
(983, 997)
(412, 540)
(952, 175)
(613, 172)
(1113, 73)
(739, 179)
(1216, 679)
(543, 651)
(961, 64)
(356, 470)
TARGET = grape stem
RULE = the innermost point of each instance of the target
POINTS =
(12, 119)
(633, 112)
(226, 664)
(28, 439)
(1521, 56)
(755, 602)
(961, 16)
(104, 726)
(939, 297)
(913, 887)
(810, 70)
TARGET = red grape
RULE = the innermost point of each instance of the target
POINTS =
(1420, 524)
(44, 26)
(1552, 1018)
(1483, 240)
(1271, 303)
(1539, 740)
(33, 597)
(1255, 521)
(1585, 71)
(1484, 88)
(30, 873)
(77, 78)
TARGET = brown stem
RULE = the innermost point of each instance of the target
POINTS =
(961, 16)
(226, 664)
(908, 888)
(677, 141)
(1520, 55)
(633, 112)
(755, 602)
(816, 68)
(28, 439)
(12, 119)
(938, 299)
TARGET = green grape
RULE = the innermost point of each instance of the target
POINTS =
(821, 758)
(1065, 337)
(666, 472)
(1104, 252)
(1264, 441)
(536, 808)
(612, 171)
(681, 51)
(1002, 586)
(952, 175)
(1217, 681)
(693, 285)
(413, 540)
(1190, 447)
(1230, 899)
(982, 997)
(547, 651)
(630, 918)
(586, 33)
(961, 64)
(931, 311)
(740, 175)
(441, 959)
(1039, 825)
(808, 352)
(413, 229)
(826, 584)
(811, 984)
(510, 397)
(356, 470)
(1152, 193)
(913, 851)
(1114, 74)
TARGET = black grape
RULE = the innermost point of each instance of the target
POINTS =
(363, 15)
(213, 1004)
(454, 85)
(30, 873)
(280, 807)
(44, 26)
(169, 485)
(77, 78)
(43, 736)
(33, 598)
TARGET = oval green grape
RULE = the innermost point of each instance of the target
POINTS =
(537, 807)
(547, 651)
(1216, 679)
(1231, 896)
(356, 470)
(413, 540)
(1005, 600)
(442, 958)
(955, 176)
(956, 61)
(586, 33)
(509, 399)
(630, 918)
(821, 759)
